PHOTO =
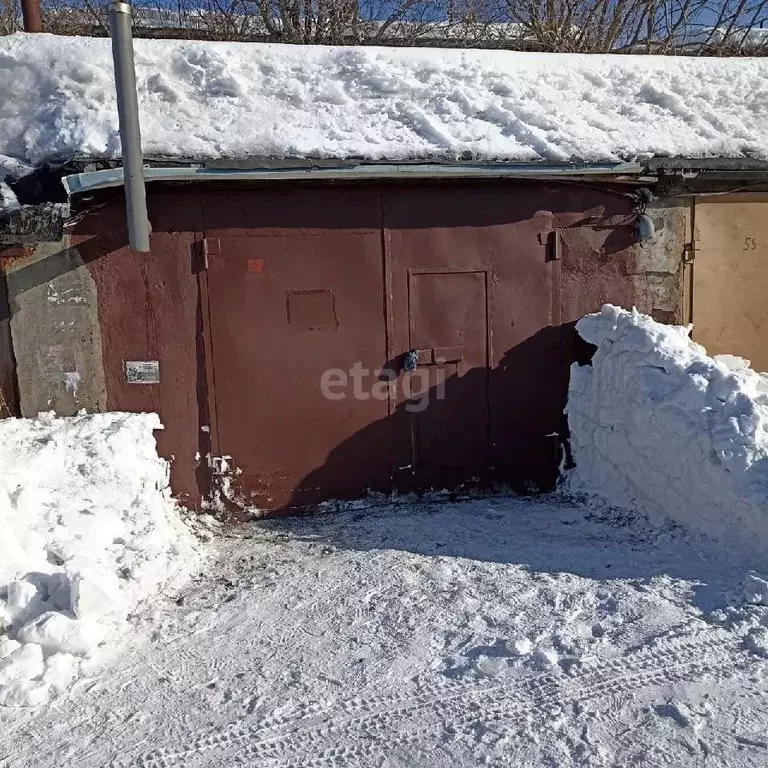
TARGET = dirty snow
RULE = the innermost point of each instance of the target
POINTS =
(500, 632)
(658, 426)
(442, 632)
(8, 200)
(89, 531)
(8, 167)
(206, 100)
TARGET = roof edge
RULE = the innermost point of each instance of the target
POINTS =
(681, 163)
(113, 177)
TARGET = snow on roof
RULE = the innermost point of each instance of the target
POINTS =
(208, 100)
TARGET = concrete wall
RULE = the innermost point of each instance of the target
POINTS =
(659, 273)
(603, 262)
(81, 308)
(55, 331)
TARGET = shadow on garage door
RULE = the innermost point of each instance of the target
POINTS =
(385, 339)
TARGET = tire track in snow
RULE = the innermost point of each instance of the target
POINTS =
(316, 735)
(511, 711)
(439, 700)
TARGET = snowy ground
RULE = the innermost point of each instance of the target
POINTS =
(502, 632)
(555, 631)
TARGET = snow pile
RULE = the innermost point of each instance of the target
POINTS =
(12, 168)
(8, 199)
(203, 100)
(659, 426)
(88, 531)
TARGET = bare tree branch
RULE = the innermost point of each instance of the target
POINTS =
(732, 28)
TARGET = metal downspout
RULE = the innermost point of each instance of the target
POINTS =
(130, 132)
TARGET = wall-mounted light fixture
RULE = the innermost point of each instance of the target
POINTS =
(645, 230)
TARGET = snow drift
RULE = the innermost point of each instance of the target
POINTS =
(203, 100)
(88, 531)
(659, 426)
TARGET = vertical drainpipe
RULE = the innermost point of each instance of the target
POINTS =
(130, 133)
(31, 15)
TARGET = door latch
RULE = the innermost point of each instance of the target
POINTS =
(410, 360)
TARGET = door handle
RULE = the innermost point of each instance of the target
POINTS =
(413, 358)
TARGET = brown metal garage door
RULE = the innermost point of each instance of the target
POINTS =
(306, 280)
(314, 297)
(294, 290)
(730, 274)
(470, 280)
(449, 332)
(283, 312)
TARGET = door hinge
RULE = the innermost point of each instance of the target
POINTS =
(211, 247)
(689, 252)
(553, 245)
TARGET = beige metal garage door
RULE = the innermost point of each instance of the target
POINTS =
(730, 276)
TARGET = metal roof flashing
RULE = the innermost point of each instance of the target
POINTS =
(113, 177)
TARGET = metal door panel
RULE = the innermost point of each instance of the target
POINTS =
(313, 305)
(8, 398)
(730, 274)
(317, 279)
(494, 232)
(448, 313)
